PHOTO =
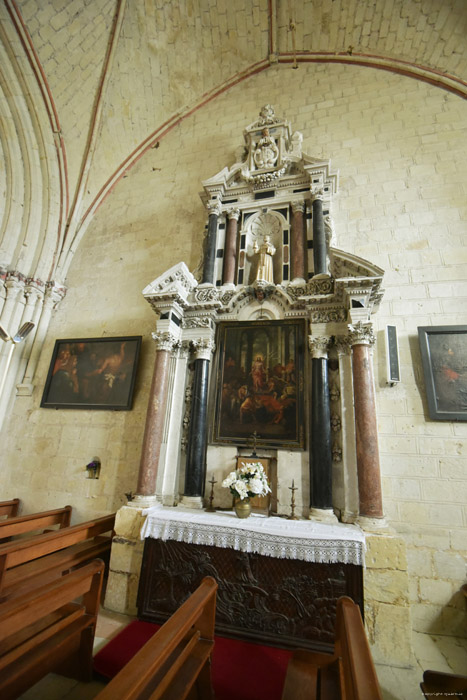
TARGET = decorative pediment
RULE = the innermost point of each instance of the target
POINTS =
(174, 285)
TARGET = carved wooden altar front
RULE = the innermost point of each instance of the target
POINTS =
(276, 600)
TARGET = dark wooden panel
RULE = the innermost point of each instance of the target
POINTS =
(286, 602)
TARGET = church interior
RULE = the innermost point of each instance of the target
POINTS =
(232, 234)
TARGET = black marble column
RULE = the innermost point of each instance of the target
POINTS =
(195, 472)
(211, 240)
(321, 447)
(319, 238)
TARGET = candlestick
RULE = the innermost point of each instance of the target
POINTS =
(210, 508)
(292, 515)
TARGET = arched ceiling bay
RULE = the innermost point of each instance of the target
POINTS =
(119, 73)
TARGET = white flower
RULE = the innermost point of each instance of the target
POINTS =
(255, 485)
(241, 488)
(229, 480)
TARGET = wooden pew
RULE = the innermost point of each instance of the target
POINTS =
(348, 673)
(23, 524)
(31, 561)
(9, 508)
(436, 683)
(176, 662)
(45, 630)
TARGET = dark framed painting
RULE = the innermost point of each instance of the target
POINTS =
(444, 361)
(259, 384)
(92, 373)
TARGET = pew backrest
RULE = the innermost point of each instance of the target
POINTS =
(47, 554)
(32, 522)
(351, 645)
(176, 659)
(49, 630)
(9, 508)
(347, 674)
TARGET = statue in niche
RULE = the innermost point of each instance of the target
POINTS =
(266, 151)
(266, 250)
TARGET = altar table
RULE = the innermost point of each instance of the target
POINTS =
(279, 579)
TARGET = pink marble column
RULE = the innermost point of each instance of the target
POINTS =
(230, 247)
(368, 469)
(298, 242)
(155, 418)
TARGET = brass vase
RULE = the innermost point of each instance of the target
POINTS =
(242, 508)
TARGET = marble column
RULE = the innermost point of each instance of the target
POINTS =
(155, 418)
(298, 248)
(230, 247)
(319, 237)
(195, 471)
(321, 444)
(214, 209)
(368, 468)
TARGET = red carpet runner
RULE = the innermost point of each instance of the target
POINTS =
(240, 670)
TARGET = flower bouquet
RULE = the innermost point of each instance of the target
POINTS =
(248, 481)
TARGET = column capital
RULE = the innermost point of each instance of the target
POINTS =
(214, 207)
(164, 340)
(318, 347)
(317, 193)
(361, 334)
(298, 206)
(343, 344)
(54, 294)
(203, 348)
(233, 214)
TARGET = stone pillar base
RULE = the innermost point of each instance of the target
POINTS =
(142, 502)
(323, 515)
(125, 561)
(373, 524)
(195, 502)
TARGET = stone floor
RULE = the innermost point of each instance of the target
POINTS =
(438, 653)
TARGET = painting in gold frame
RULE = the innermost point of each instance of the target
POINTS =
(259, 386)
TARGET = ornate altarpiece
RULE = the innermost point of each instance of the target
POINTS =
(270, 261)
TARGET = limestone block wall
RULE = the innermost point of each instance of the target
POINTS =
(400, 147)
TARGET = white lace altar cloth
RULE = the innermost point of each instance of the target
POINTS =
(273, 537)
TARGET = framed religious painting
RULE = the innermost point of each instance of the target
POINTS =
(92, 373)
(444, 361)
(259, 384)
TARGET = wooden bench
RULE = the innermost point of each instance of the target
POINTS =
(22, 524)
(176, 661)
(9, 508)
(45, 630)
(37, 559)
(347, 673)
(436, 683)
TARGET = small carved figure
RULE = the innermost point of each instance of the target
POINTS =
(266, 250)
(266, 152)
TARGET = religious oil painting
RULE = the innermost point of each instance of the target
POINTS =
(259, 389)
(444, 360)
(92, 373)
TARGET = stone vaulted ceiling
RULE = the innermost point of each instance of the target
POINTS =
(89, 85)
